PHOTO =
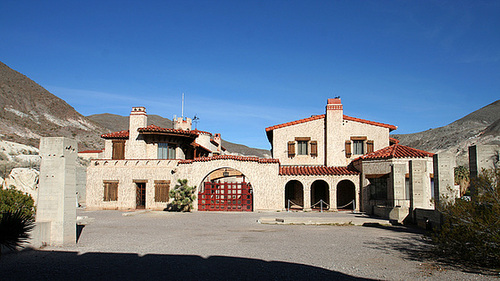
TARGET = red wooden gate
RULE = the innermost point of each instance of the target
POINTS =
(228, 196)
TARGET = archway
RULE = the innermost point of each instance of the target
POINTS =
(225, 189)
(346, 195)
(319, 191)
(294, 195)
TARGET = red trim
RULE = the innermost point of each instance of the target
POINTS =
(230, 157)
(316, 117)
(316, 171)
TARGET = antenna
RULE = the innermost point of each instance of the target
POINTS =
(195, 120)
(182, 106)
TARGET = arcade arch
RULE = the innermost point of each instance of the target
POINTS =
(294, 195)
(346, 195)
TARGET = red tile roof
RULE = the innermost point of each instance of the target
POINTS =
(393, 140)
(316, 171)
(201, 132)
(91, 151)
(116, 135)
(312, 118)
(230, 157)
(154, 129)
(396, 151)
(316, 117)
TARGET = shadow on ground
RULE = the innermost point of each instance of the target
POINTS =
(420, 248)
(60, 265)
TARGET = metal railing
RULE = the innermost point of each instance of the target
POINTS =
(320, 202)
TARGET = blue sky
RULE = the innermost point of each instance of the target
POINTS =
(247, 65)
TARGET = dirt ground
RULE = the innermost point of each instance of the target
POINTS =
(231, 246)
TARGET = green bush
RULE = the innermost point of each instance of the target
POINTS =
(12, 200)
(14, 228)
(183, 197)
(471, 229)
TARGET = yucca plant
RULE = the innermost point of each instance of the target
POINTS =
(14, 228)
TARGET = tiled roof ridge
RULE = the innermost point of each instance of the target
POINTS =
(304, 170)
(154, 128)
(116, 135)
(390, 127)
(345, 117)
(230, 157)
(396, 151)
(91, 151)
(300, 121)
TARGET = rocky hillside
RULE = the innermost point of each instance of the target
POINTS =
(28, 112)
(118, 123)
(480, 127)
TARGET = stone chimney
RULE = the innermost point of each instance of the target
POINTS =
(334, 133)
(136, 146)
(182, 123)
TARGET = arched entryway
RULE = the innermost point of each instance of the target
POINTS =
(319, 191)
(225, 189)
(294, 195)
(346, 195)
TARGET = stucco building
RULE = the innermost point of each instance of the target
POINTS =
(329, 161)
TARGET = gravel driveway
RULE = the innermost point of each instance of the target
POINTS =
(229, 246)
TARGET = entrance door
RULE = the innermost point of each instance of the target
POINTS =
(228, 196)
(141, 195)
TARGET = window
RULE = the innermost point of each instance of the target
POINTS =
(378, 188)
(161, 190)
(118, 150)
(358, 147)
(166, 151)
(110, 190)
(302, 148)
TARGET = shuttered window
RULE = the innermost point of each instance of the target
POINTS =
(348, 149)
(291, 149)
(118, 149)
(110, 190)
(302, 148)
(358, 147)
(314, 148)
(162, 188)
(369, 146)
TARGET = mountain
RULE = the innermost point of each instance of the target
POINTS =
(28, 112)
(479, 127)
(114, 123)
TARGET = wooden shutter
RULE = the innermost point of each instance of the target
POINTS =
(369, 146)
(162, 188)
(118, 149)
(348, 149)
(291, 149)
(110, 191)
(314, 148)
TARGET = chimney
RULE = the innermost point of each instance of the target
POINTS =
(218, 140)
(136, 147)
(334, 134)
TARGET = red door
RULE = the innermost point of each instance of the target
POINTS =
(228, 196)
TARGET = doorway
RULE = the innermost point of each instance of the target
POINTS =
(140, 195)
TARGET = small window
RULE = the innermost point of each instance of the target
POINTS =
(166, 151)
(118, 150)
(161, 191)
(358, 147)
(302, 148)
(110, 191)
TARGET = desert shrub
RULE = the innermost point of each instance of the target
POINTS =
(462, 178)
(15, 227)
(183, 197)
(12, 200)
(471, 229)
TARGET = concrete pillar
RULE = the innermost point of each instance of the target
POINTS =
(482, 157)
(56, 210)
(444, 178)
(396, 191)
(418, 176)
(307, 197)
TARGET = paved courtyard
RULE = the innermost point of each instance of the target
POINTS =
(116, 245)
